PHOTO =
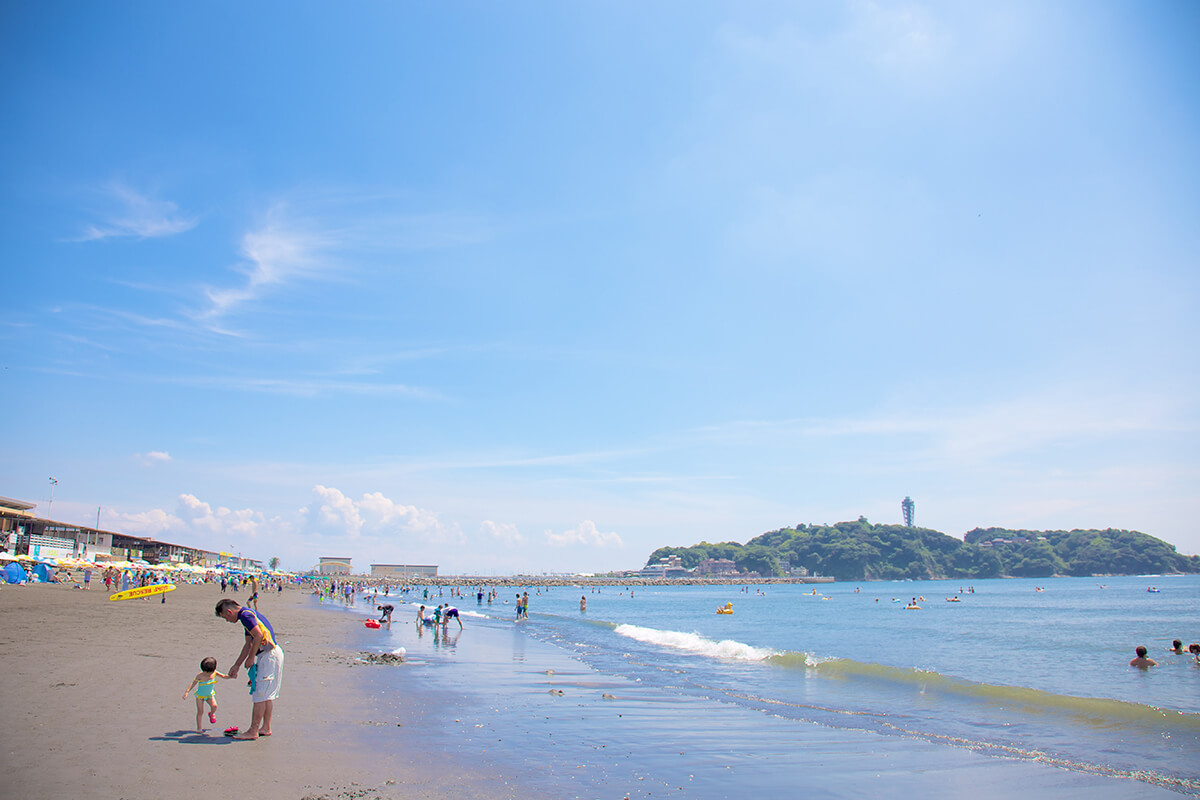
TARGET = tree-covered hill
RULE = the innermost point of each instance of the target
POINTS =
(862, 551)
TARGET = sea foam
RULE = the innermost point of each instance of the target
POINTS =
(695, 643)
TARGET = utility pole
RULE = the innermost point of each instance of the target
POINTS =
(50, 507)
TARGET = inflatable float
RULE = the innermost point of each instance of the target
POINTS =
(726, 609)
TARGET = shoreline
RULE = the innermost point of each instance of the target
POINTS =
(514, 699)
(494, 711)
(576, 580)
(93, 691)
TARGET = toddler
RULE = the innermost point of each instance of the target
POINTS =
(205, 685)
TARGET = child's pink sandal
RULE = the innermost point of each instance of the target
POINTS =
(231, 731)
(212, 717)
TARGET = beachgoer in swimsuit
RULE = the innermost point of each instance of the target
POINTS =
(205, 684)
(1141, 661)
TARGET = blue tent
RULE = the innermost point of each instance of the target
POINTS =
(13, 573)
(41, 573)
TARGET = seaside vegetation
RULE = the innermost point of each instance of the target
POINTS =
(860, 550)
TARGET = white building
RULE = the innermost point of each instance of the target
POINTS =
(404, 572)
(333, 565)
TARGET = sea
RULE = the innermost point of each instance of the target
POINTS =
(990, 688)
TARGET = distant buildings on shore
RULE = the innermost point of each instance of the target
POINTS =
(672, 567)
(404, 572)
(333, 565)
(24, 533)
(340, 565)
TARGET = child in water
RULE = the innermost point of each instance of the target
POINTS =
(205, 685)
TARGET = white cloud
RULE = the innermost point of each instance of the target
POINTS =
(327, 234)
(585, 534)
(153, 457)
(275, 254)
(221, 521)
(505, 532)
(193, 517)
(334, 514)
(138, 215)
(153, 523)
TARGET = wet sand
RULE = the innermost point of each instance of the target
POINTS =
(93, 708)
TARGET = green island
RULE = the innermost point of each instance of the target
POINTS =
(860, 551)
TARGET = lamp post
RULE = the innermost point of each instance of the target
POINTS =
(50, 507)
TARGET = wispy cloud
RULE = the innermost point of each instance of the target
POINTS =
(153, 458)
(133, 214)
(318, 237)
(990, 430)
(301, 387)
(273, 255)
(584, 534)
(895, 43)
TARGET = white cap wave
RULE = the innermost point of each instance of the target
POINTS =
(695, 643)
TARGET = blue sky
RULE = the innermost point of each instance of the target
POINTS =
(544, 286)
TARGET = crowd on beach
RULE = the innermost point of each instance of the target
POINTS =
(347, 591)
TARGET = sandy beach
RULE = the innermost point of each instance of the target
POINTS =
(93, 704)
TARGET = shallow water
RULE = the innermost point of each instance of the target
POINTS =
(849, 684)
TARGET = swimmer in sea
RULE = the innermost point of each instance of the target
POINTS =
(1177, 648)
(1141, 661)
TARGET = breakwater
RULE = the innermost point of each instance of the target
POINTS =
(604, 580)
